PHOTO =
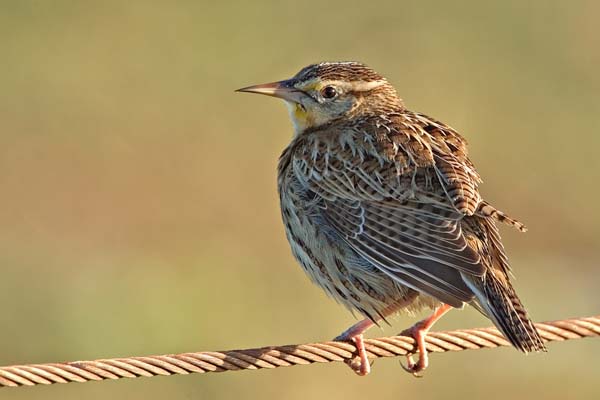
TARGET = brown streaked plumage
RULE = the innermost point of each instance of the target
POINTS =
(382, 209)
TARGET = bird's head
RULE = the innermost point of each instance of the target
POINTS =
(323, 93)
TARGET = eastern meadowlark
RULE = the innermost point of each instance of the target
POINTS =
(381, 208)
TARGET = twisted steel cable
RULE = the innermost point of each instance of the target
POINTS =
(278, 356)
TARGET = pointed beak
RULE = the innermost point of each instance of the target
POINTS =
(283, 89)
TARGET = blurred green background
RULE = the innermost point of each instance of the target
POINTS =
(139, 215)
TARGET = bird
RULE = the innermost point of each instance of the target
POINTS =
(382, 209)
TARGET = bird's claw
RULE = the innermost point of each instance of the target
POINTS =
(417, 332)
(359, 368)
(412, 367)
(359, 363)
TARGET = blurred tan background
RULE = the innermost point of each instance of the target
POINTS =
(138, 207)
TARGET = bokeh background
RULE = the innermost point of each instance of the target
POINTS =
(138, 206)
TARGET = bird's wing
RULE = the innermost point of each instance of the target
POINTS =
(402, 213)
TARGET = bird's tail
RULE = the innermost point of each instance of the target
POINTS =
(500, 302)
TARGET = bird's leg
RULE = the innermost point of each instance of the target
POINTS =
(418, 331)
(359, 364)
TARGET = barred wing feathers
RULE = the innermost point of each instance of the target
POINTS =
(398, 199)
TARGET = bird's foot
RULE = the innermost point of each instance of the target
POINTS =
(360, 362)
(418, 331)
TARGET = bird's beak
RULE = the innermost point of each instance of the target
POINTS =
(283, 89)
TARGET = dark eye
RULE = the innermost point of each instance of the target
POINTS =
(328, 92)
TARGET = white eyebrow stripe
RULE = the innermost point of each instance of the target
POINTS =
(356, 86)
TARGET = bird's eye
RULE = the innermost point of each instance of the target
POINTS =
(328, 92)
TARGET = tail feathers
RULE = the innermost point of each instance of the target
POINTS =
(500, 303)
(510, 316)
(485, 209)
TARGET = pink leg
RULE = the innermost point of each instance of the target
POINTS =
(360, 364)
(419, 331)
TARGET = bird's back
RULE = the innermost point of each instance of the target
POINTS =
(387, 207)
